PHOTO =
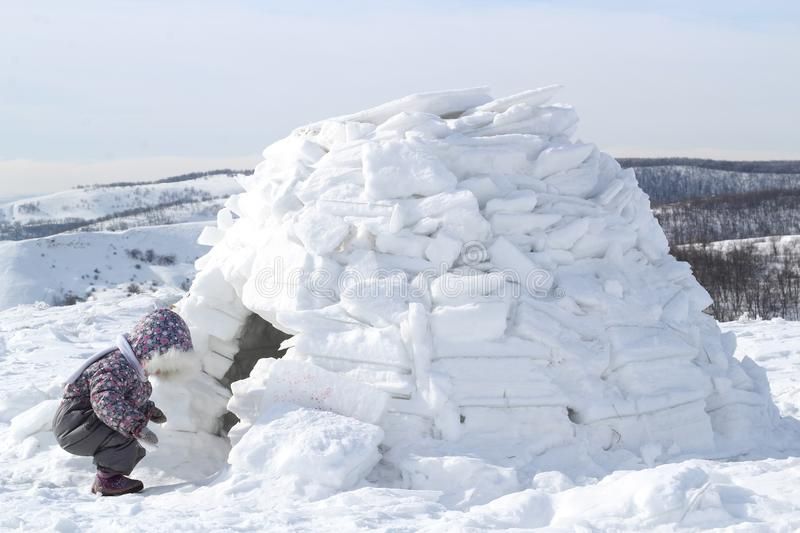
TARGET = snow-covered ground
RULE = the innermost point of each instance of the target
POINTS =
(190, 486)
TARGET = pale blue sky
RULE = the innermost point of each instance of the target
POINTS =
(96, 91)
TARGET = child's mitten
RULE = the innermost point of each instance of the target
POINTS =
(147, 439)
(157, 415)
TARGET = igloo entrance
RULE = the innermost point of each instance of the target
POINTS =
(259, 339)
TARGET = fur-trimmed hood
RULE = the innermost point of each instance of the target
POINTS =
(163, 344)
(158, 332)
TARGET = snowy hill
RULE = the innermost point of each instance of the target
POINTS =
(123, 205)
(67, 245)
(60, 268)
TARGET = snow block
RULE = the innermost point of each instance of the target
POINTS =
(377, 346)
(443, 251)
(685, 426)
(642, 343)
(560, 158)
(509, 346)
(520, 223)
(215, 364)
(566, 236)
(34, 420)
(320, 233)
(543, 427)
(457, 289)
(285, 381)
(398, 169)
(402, 244)
(522, 271)
(213, 321)
(318, 451)
(532, 97)
(408, 212)
(378, 301)
(471, 322)
(516, 202)
(440, 103)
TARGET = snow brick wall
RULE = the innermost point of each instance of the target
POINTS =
(453, 266)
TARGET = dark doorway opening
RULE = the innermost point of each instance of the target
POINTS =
(259, 339)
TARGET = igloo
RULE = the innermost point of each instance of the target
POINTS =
(449, 265)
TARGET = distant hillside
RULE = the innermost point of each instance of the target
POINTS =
(671, 183)
(759, 167)
(734, 216)
(118, 206)
(172, 179)
(703, 200)
(177, 213)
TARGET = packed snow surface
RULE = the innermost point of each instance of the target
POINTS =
(45, 489)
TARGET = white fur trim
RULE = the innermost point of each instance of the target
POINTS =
(174, 364)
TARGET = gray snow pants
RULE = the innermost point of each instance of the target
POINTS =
(80, 432)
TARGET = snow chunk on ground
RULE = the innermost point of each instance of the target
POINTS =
(319, 451)
(37, 418)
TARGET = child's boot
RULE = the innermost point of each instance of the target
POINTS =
(113, 484)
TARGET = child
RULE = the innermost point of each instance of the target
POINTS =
(106, 405)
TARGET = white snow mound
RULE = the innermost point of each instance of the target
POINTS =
(468, 271)
(317, 452)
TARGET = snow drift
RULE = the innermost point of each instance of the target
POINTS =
(456, 267)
